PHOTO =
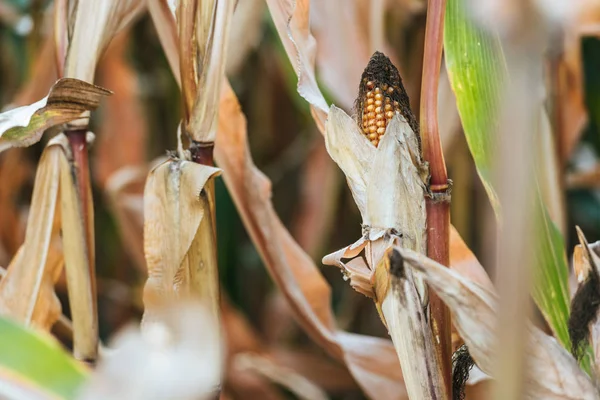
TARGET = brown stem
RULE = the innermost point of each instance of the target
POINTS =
(81, 167)
(202, 153)
(438, 206)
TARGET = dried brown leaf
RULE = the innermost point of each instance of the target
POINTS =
(91, 27)
(179, 236)
(246, 33)
(123, 118)
(67, 100)
(295, 383)
(343, 49)
(291, 18)
(371, 361)
(211, 69)
(317, 201)
(552, 372)
(464, 262)
(164, 21)
(27, 290)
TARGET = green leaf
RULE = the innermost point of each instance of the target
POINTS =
(551, 290)
(477, 69)
(31, 362)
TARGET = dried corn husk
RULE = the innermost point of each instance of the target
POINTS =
(179, 236)
(553, 373)
(388, 184)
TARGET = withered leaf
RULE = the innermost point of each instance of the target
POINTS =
(67, 100)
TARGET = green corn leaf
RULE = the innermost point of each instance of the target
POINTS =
(477, 69)
(34, 365)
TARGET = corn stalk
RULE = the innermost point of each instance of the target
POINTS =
(179, 197)
(438, 201)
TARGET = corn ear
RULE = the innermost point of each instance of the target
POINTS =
(179, 235)
(27, 289)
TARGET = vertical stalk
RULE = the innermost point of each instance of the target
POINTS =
(438, 204)
(79, 148)
(202, 153)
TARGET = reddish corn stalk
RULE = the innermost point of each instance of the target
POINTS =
(438, 205)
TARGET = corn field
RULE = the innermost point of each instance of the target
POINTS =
(281, 199)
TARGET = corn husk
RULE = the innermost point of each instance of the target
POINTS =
(66, 101)
(179, 237)
(388, 186)
(552, 372)
(27, 289)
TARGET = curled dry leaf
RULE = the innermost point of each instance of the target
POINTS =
(27, 290)
(67, 100)
(179, 236)
(164, 21)
(317, 202)
(291, 18)
(83, 30)
(553, 373)
(295, 383)
(179, 357)
(336, 24)
(371, 361)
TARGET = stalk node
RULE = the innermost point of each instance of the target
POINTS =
(202, 152)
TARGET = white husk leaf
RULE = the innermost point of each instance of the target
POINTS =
(388, 186)
(408, 323)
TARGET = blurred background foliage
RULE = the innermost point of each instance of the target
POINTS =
(285, 145)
